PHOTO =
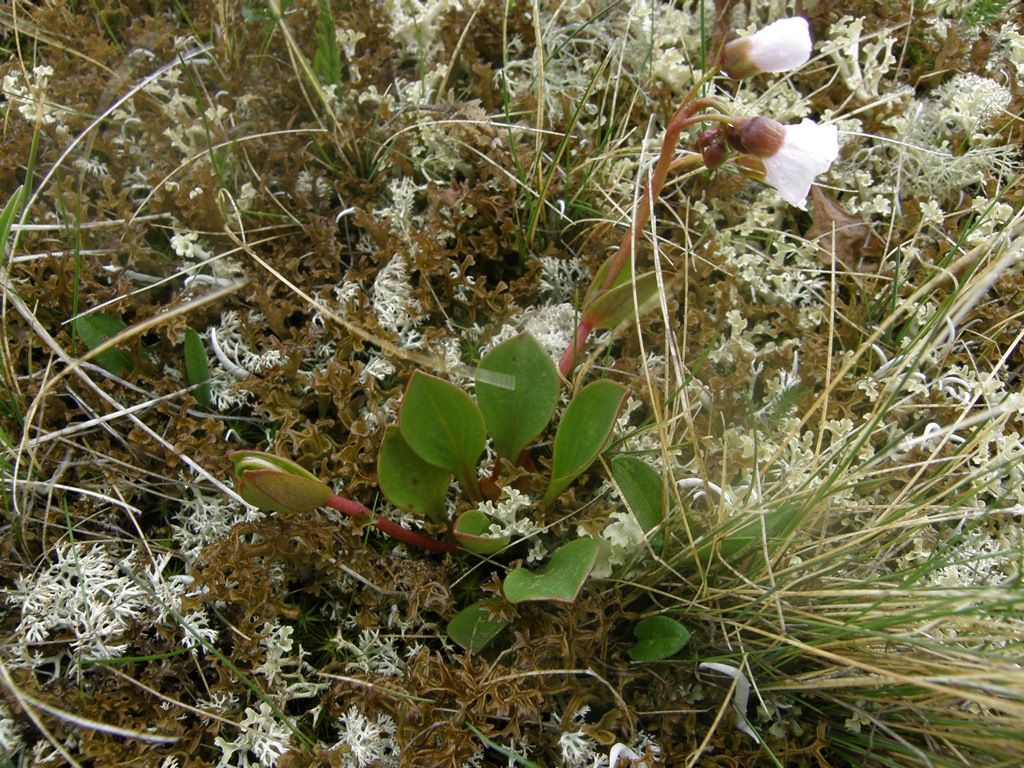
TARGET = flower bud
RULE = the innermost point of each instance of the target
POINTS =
(779, 47)
(712, 147)
(279, 485)
(759, 136)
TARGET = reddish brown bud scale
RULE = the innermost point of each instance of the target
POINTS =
(759, 136)
(712, 147)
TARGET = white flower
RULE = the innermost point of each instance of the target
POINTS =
(787, 157)
(781, 46)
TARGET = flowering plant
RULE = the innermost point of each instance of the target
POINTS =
(442, 431)
(441, 435)
(786, 157)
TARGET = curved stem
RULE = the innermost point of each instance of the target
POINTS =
(575, 348)
(391, 528)
(667, 162)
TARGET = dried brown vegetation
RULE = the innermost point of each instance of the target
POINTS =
(235, 169)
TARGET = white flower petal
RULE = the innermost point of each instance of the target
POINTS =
(739, 698)
(808, 150)
(781, 46)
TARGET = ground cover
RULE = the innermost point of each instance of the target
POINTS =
(783, 524)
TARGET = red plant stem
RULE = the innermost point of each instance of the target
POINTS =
(393, 529)
(683, 117)
(575, 349)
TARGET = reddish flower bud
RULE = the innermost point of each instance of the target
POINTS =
(759, 136)
(712, 147)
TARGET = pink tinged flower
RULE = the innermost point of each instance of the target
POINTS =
(779, 47)
(787, 157)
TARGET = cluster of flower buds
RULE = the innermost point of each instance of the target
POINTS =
(787, 157)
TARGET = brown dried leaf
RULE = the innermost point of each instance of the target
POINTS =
(850, 239)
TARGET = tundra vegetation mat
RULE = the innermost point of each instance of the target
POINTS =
(751, 497)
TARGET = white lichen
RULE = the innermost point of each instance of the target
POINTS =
(364, 742)
(261, 735)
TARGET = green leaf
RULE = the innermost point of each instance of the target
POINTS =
(409, 482)
(583, 432)
(269, 482)
(561, 580)
(472, 530)
(444, 426)
(474, 627)
(96, 328)
(642, 489)
(616, 305)
(197, 369)
(516, 416)
(658, 637)
(279, 492)
(10, 211)
(743, 536)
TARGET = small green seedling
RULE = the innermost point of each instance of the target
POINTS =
(95, 329)
(658, 637)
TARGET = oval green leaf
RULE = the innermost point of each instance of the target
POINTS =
(474, 627)
(409, 482)
(658, 637)
(583, 432)
(197, 367)
(617, 305)
(472, 530)
(642, 490)
(444, 426)
(562, 578)
(277, 491)
(97, 328)
(516, 416)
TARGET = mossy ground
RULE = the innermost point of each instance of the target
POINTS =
(431, 173)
